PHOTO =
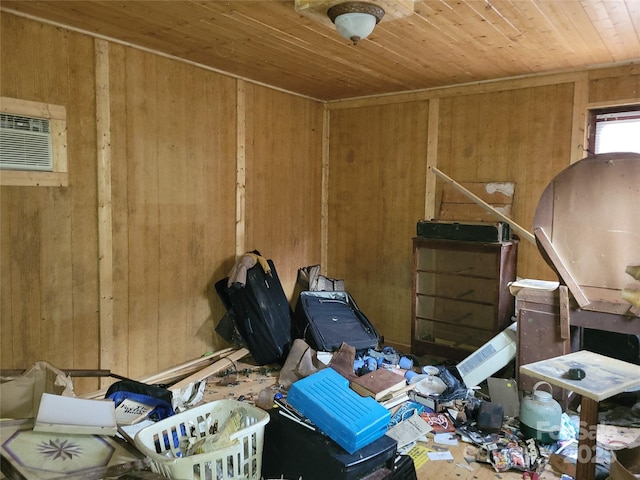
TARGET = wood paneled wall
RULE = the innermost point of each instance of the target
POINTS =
(283, 180)
(523, 131)
(377, 171)
(173, 137)
(521, 136)
(48, 261)
(174, 170)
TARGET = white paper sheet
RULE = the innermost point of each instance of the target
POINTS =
(409, 430)
(75, 415)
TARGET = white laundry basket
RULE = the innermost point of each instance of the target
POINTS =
(161, 443)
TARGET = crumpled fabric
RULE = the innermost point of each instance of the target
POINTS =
(342, 361)
(238, 274)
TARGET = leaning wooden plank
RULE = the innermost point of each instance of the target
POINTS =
(565, 321)
(524, 233)
(493, 193)
(470, 212)
(173, 373)
(562, 269)
(211, 369)
(190, 391)
(187, 367)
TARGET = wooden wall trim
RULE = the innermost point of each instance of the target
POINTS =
(34, 109)
(579, 121)
(488, 86)
(324, 194)
(241, 158)
(613, 103)
(24, 178)
(611, 71)
(432, 159)
(105, 220)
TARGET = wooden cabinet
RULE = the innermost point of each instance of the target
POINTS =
(460, 295)
(540, 335)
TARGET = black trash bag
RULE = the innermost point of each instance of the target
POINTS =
(456, 389)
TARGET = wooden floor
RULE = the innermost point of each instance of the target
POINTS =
(459, 469)
(250, 380)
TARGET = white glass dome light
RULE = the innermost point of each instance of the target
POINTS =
(355, 20)
(355, 26)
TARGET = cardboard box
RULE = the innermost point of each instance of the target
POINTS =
(20, 398)
(625, 464)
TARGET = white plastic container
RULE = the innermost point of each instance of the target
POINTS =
(540, 415)
(162, 443)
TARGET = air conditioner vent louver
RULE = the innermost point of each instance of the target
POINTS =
(25, 143)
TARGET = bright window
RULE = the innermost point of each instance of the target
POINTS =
(615, 130)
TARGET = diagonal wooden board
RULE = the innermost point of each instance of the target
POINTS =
(175, 372)
(524, 233)
(211, 369)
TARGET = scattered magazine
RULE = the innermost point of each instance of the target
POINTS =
(439, 422)
(130, 412)
(409, 430)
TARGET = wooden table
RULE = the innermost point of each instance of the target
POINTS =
(605, 377)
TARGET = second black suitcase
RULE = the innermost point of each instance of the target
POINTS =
(261, 312)
(326, 319)
(292, 451)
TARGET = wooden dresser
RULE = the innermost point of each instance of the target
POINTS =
(460, 295)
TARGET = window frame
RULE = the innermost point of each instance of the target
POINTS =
(57, 116)
(592, 121)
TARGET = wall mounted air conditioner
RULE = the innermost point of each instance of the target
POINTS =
(25, 143)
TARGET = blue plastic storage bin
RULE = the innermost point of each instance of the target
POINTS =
(350, 420)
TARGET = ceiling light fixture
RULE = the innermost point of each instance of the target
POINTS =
(355, 20)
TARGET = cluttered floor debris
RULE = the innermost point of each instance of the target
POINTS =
(406, 418)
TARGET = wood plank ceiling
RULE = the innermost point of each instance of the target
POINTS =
(442, 42)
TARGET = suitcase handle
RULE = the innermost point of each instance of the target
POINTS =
(309, 339)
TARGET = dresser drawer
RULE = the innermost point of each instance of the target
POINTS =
(457, 262)
(456, 312)
(455, 287)
(465, 338)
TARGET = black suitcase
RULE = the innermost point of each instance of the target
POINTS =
(326, 319)
(404, 468)
(293, 451)
(261, 313)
